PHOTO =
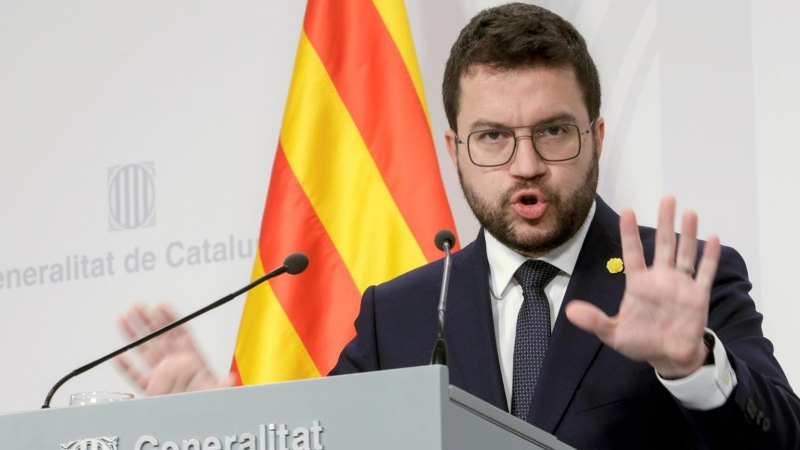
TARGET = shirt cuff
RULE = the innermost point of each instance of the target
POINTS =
(709, 386)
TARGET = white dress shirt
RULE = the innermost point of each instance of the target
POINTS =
(707, 388)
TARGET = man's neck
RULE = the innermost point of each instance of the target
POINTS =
(564, 257)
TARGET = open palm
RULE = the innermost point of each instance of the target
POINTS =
(664, 310)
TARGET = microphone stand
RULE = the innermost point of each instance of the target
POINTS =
(439, 354)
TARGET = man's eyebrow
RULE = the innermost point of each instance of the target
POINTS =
(482, 124)
(486, 124)
(557, 118)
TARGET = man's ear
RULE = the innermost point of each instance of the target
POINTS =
(599, 134)
(452, 146)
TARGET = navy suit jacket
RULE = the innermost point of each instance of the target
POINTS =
(588, 395)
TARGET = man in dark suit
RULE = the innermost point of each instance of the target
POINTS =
(655, 354)
(682, 363)
(588, 394)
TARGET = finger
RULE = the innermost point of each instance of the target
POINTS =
(707, 270)
(194, 381)
(161, 316)
(179, 338)
(130, 323)
(166, 312)
(201, 381)
(132, 326)
(632, 254)
(163, 380)
(183, 341)
(228, 381)
(144, 318)
(665, 234)
(188, 373)
(124, 324)
(137, 319)
(687, 246)
(143, 322)
(131, 372)
(591, 319)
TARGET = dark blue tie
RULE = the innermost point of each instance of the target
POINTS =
(533, 333)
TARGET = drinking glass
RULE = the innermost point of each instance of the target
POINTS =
(93, 397)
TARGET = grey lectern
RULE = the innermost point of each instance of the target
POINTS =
(395, 409)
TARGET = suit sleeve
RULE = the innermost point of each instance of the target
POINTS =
(360, 354)
(762, 411)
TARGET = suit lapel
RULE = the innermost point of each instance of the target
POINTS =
(571, 350)
(470, 328)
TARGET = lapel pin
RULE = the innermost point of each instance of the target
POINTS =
(614, 265)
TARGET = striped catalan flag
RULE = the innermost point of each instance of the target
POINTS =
(355, 185)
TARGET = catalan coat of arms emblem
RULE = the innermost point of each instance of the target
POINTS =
(97, 443)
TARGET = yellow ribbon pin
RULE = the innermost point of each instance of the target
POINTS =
(614, 265)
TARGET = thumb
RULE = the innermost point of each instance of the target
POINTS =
(590, 318)
(228, 381)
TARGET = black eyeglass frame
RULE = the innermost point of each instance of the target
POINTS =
(533, 132)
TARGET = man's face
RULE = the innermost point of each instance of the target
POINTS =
(530, 205)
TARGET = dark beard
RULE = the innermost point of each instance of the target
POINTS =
(570, 213)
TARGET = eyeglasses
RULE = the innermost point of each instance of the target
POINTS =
(552, 142)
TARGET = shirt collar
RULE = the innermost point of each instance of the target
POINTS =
(504, 262)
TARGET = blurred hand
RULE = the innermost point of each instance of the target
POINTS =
(173, 363)
(664, 310)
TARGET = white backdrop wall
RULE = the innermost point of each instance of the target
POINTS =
(700, 100)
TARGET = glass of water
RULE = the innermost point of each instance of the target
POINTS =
(94, 397)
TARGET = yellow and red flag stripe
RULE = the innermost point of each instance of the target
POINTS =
(355, 185)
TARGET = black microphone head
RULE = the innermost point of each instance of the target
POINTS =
(295, 263)
(444, 236)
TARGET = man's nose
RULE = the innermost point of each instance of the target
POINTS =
(526, 162)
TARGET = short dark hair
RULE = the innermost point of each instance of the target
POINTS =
(516, 36)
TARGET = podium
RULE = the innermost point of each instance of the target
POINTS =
(412, 408)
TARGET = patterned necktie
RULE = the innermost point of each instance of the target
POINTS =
(533, 333)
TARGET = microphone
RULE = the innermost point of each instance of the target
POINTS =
(293, 264)
(444, 240)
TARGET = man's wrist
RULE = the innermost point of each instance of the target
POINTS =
(704, 356)
(710, 385)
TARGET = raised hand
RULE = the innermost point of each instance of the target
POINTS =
(664, 310)
(173, 363)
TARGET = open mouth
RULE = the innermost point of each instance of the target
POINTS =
(529, 204)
